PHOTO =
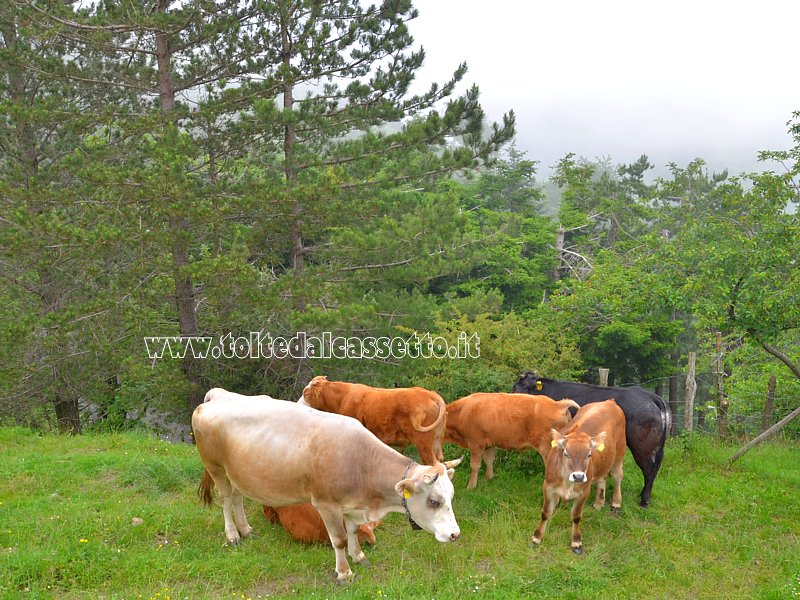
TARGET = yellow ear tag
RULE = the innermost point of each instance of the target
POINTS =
(554, 443)
(406, 493)
(600, 447)
(538, 386)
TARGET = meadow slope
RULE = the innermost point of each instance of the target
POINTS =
(68, 507)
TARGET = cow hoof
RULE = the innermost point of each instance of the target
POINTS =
(615, 510)
(345, 579)
(644, 503)
(578, 550)
(361, 559)
(534, 544)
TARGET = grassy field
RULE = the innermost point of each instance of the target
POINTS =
(67, 506)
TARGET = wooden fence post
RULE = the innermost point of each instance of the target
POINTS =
(691, 390)
(603, 377)
(768, 404)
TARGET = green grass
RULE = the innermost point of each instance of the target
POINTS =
(67, 505)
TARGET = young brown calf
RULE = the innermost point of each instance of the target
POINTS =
(483, 422)
(585, 452)
(304, 523)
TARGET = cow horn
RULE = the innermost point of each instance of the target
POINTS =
(452, 464)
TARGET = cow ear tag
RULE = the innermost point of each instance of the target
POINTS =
(600, 447)
(554, 443)
(538, 386)
(406, 494)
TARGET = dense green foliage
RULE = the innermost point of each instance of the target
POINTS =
(167, 169)
(67, 530)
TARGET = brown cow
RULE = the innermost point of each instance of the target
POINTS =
(585, 452)
(484, 422)
(396, 416)
(304, 523)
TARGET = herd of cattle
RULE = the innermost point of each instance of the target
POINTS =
(323, 466)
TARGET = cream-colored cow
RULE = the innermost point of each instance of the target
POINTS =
(280, 453)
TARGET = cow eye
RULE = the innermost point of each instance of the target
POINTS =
(434, 503)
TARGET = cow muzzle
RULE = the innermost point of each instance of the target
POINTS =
(577, 477)
(445, 537)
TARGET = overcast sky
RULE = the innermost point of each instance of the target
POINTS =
(674, 80)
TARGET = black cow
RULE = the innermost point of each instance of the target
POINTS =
(647, 419)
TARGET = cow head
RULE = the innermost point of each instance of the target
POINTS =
(428, 494)
(312, 392)
(576, 449)
(528, 383)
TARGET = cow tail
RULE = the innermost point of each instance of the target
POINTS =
(666, 424)
(206, 487)
(568, 403)
(439, 418)
(666, 420)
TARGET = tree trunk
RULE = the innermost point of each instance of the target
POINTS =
(722, 400)
(768, 404)
(289, 140)
(559, 247)
(213, 174)
(179, 227)
(67, 413)
(771, 431)
(66, 407)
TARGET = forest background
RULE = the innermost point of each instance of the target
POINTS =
(211, 168)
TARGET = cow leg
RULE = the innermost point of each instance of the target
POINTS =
(647, 453)
(649, 470)
(577, 513)
(599, 494)
(223, 484)
(239, 518)
(475, 458)
(426, 452)
(548, 508)
(650, 476)
(437, 446)
(488, 459)
(334, 522)
(353, 545)
(616, 473)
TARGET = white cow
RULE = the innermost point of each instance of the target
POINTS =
(280, 453)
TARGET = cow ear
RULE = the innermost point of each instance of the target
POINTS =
(599, 441)
(405, 488)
